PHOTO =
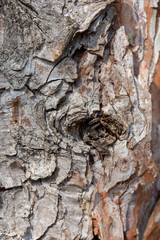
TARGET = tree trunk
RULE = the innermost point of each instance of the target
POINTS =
(80, 115)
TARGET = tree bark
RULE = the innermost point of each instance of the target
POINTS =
(80, 115)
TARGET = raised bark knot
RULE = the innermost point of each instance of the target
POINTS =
(101, 132)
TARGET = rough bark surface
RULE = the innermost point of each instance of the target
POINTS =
(79, 109)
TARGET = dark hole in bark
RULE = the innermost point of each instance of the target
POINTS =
(96, 238)
(78, 54)
(100, 132)
(91, 160)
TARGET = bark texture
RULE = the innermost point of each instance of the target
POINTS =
(79, 129)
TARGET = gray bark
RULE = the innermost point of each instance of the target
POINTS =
(76, 119)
